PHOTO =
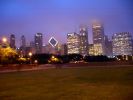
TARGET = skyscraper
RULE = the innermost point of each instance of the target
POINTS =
(73, 43)
(64, 49)
(22, 49)
(12, 41)
(122, 44)
(98, 38)
(23, 41)
(108, 46)
(91, 49)
(38, 42)
(32, 46)
(83, 40)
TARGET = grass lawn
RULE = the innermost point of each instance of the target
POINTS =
(68, 84)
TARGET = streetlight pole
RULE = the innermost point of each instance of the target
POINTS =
(30, 55)
(4, 42)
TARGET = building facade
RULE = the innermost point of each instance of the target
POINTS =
(83, 40)
(122, 44)
(91, 49)
(23, 41)
(38, 42)
(64, 49)
(108, 46)
(73, 43)
(22, 46)
(32, 45)
(98, 38)
(12, 41)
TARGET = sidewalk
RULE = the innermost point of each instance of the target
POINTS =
(26, 68)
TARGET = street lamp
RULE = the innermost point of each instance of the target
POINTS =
(4, 40)
(53, 57)
(30, 55)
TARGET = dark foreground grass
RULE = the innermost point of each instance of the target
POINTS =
(68, 84)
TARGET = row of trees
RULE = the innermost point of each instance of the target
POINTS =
(10, 56)
(49, 58)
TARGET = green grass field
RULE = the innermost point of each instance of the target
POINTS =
(68, 84)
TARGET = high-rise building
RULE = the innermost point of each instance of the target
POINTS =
(38, 42)
(46, 49)
(98, 38)
(64, 49)
(83, 40)
(108, 46)
(32, 45)
(49, 49)
(61, 49)
(95, 49)
(91, 49)
(12, 41)
(22, 48)
(122, 44)
(98, 49)
(23, 41)
(73, 43)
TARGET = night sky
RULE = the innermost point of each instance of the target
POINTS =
(59, 17)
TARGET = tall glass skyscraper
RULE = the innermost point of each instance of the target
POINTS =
(83, 40)
(73, 43)
(38, 42)
(122, 44)
(98, 38)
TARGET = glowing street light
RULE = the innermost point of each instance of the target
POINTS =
(4, 40)
(30, 54)
(53, 57)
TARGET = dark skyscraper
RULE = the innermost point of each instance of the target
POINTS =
(108, 46)
(83, 40)
(38, 42)
(98, 38)
(64, 49)
(12, 41)
(22, 46)
(23, 41)
(32, 46)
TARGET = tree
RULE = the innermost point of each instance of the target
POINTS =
(8, 55)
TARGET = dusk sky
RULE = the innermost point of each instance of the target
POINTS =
(59, 17)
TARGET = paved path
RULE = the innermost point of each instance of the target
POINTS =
(50, 66)
(39, 67)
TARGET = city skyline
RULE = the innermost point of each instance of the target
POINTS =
(59, 17)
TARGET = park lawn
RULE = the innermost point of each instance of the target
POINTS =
(68, 84)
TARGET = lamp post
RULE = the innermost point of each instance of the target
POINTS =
(30, 55)
(4, 42)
